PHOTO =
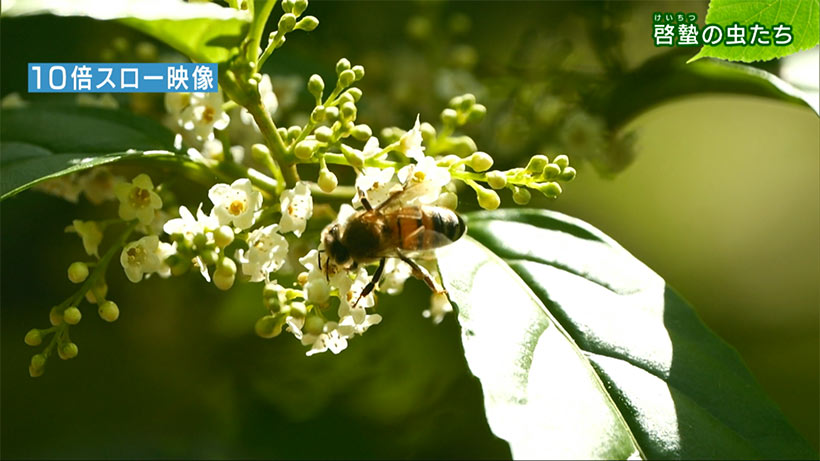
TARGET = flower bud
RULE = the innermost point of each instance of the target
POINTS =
(562, 161)
(551, 171)
(348, 110)
(455, 102)
(98, 292)
(460, 145)
(354, 93)
(537, 164)
(269, 326)
(568, 174)
(287, 22)
(200, 241)
(358, 72)
(361, 132)
(34, 337)
(346, 78)
(323, 134)
(260, 152)
(225, 274)
(287, 6)
(209, 257)
(550, 189)
(299, 7)
(78, 272)
(294, 132)
(55, 316)
(342, 65)
(317, 114)
(487, 199)
(270, 298)
(449, 116)
(109, 311)
(223, 236)
(327, 180)
(67, 351)
(181, 267)
(305, 149)
(308, 23)
(466, 103)
(428, 132)
(353, 156)
(316, 86)
(37, 366)
(477, 113)
(283, 132)
(480, 161)
(448, 200)
(314, 324)
(72, 315)
(332, 113)
(521, 195)
(497, 179)
(298, 309)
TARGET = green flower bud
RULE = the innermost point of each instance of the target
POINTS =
(354, 93)
(314, 324)
(344, 98)
(455, 102)
(550, 189)
(521, 195)
(37, 365)
(497, 179)
(269, 326)
(327, 180)
(568, 174)
(109, 311)
(346, 78)
(537, 164)
(449, 160)
(348, 110)
(35, 372)
(449, 116)
(562, 161)
(287, 22)
(353, 156)
(283, 132)
(448, 200)
(294, 132)
(67, 351)
(225, 274)
(551, 171)
(480, 161)
(332, 113)
(181, 267)
(298, 309)
(55, 316)
(270, 298)
(316, 86)
(358, 72)
(308, 23)
(305, 149)
(467, 102)
(361, 132)
(78, 272)
(98, 292)
(260, 152)
(226, 265)
(287, 6)
(34, 337)
(299, 7)
(488, 199)
(200, 241)
(428, 132)
(317, 114)
(477, 113)
(72, 315)
(342, 65)
(460, 145)
(223, 236)
(323, 134)
(209, 257)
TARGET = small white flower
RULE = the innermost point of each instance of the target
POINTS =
(371, 148)
(91, 234)
(188, 225)
(267, 251)
(212, 149)
(410, 142)
(377, 184)
(297, 208)
(237, 203)
(141, 257)
(138, 199)
(349, 326)
(317, 286)
(164, 250)
(439, 307)
(198, 263)
(427, 173)
(203, 114)
(294, 325)
(175, 103)
(269, 99)
(329, 339)
(396, 272)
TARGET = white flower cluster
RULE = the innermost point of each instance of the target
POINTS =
(96, 184)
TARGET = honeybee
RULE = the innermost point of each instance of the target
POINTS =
(393, 229)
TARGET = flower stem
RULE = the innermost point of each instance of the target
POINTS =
(260, 18)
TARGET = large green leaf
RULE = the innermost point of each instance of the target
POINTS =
(584, 352)
(43, 142)
(802, 15)
(204, 32)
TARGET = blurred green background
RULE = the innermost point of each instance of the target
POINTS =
(718, 194)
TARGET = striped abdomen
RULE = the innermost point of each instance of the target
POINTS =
(415, 228)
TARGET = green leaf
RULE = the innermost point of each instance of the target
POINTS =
(802, 15)
(584, 352)
(204, 32)
(43, 142)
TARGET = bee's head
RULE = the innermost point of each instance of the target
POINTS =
(337, 253)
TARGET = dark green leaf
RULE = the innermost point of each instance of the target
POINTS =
(583, 351)
(204, 32)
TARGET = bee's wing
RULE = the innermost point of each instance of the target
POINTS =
(405, 195)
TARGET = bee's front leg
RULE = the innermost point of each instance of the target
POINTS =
(422, 274)
(372, 284)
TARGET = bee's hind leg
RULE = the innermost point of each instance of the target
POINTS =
(422, 274)
(372, 284)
